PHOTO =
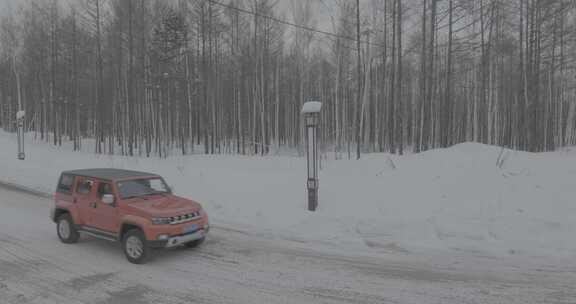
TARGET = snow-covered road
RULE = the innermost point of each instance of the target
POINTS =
(234, 267)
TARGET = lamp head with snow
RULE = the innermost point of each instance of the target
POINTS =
(311, 107)
(311, 111)
(20, 115)
(312, 119)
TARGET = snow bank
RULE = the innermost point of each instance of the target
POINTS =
(470, 198)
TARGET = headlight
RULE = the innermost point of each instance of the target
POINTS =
(160, 220)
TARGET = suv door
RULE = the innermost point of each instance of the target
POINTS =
(105, 216)
(85, 197)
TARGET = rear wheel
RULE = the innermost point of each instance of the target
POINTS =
(135, 247)
(66, 230)
(195, 243)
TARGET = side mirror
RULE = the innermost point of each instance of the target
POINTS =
(108, 199)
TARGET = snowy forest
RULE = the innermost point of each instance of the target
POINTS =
(145, 77)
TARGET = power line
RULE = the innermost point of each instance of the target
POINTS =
(291, 24)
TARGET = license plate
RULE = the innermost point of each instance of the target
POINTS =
(190, 228)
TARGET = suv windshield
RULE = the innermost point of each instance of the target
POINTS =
(141, 187)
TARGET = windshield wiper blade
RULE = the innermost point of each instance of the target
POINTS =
(146, 194)
(129, 197)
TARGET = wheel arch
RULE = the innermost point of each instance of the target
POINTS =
(130, 222)
(58, 212)
(127, 226)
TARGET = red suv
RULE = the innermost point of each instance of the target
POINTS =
(135, 208)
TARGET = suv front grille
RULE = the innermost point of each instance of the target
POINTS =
(185, 218)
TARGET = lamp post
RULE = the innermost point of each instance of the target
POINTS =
(20, 121)
(311, 112)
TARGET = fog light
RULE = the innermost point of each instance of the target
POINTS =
(163, 237)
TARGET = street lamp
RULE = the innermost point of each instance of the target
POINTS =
(311, 112)
(20, 121)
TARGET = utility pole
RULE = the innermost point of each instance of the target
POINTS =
(359, 77)
(311, 111)
(20, 114)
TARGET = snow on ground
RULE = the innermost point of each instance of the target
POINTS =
(235, 267)
(456, 199)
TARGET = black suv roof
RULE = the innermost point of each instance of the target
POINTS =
(108, 173)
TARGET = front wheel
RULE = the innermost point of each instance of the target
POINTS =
(66, 230)
(135, 247)
(195, 243)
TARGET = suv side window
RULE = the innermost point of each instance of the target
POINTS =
(85, 186)
(65, 183)
(104, 188)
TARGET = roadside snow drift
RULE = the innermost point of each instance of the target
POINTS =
(470, 198)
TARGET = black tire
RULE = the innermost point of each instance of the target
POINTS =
(195, 243)
(135, 256)
(67, 232)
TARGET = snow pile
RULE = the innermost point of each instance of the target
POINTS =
(471, 198)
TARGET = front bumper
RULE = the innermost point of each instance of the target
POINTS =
(179, 239)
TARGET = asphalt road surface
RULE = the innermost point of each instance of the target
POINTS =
(236, 267)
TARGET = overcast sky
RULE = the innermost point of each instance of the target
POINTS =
(321, 7)
(4, 5)
(322, 12)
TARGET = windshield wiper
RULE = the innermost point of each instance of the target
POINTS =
(131, 196)
(154, 193)
(146, 194)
